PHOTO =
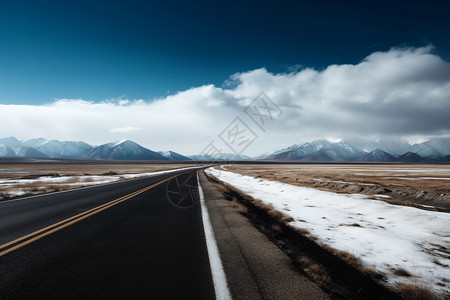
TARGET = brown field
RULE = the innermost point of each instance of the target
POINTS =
(302, 247)
(27, 179)
(27, 171)
(416, 185)
(338, 272)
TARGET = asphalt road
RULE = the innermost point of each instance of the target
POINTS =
(122, 240)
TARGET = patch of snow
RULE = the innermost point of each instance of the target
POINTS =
(16, 192)
(386, 237)
(429, 206)
(382, 196)
(12, 187)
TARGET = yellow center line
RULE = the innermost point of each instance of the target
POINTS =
(56, 224)
(64, 223)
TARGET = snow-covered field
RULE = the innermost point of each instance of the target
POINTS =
(18, 187)
(385, 237)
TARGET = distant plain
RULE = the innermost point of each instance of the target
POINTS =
(18, 180)
(424, 184)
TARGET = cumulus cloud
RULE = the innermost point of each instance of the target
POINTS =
(400, 93)
(125, 129)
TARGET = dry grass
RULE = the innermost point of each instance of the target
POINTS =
(372, 273)
(314, 270)
(272, 211)
(354, 261)
(351, 225)
(223, 188)
(311, 268)
(239, 207)
(371, 180)
(110, 173)
(301, 231)
(39, 187)
(402, 272)
(347, 257)
(281, 243)
(318, 274)
(415, 292)
(32, 171)
(304, 261)
(226, 189)
(13, 172)
(280, 232)
(369, 174)
(276, 228)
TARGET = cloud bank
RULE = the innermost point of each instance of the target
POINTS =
(401, 93)
(125, 129)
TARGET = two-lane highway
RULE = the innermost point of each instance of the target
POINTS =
(121, 240)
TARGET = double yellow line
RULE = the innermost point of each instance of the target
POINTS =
(34, 236)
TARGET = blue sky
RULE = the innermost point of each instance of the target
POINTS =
(172, 75)
(97, 50)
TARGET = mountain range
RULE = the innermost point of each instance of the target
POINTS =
(42, 148)
(433, 150)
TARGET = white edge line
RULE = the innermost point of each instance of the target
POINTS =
(217, 272)
(97, 185)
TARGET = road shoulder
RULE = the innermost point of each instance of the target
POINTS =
(254, 266)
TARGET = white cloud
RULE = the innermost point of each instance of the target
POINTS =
(125, 129)
(398, 93)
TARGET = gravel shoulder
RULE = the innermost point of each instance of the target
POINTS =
(255, 267)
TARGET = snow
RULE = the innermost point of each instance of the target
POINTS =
(386, 237)
(429, 206)
(117, 143)
(16, 192)
(382, 196)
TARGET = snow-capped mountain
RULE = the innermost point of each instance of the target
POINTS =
(40, 148)
(442, 145)
(394, 147)
(173, 155)
(437, 147)
(433, 150)
(12, 147)
(68, 149)
(59, 149)
(318, 150)
(34, 143)
(342, 151)
(378, 156)
(299, 151)
(10, 142)
(6, 151)
(123, 150)
(410, 157)
(25, 151)
(424, 150)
